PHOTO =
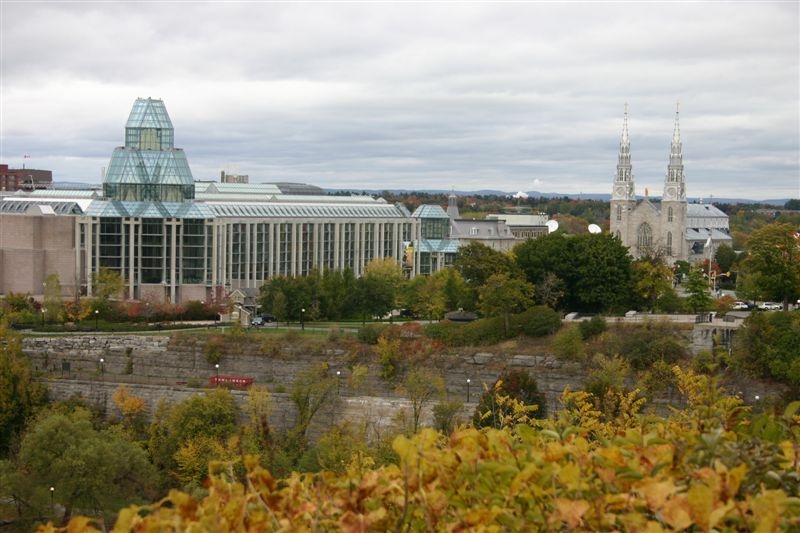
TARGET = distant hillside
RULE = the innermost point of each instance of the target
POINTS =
(536, 194)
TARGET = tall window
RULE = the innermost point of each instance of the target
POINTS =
(619, 212)
(669, 242)
(669, 215)
(644, 238)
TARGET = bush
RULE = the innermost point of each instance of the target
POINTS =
(592, 327)
(538, 321)
(370, 333)
(516, 384)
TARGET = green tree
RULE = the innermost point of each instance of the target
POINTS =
(725, 257)
(95, 471)
(476, 263)
(652, 278)
(107, 283)
(774, 260)
(502, 295)
(310, 391)
(698, 298)
(595, 269)
(213, 415)
(766, 346)
(379, 287)
(52, 305)
(20, 396)
(601, 276)
(420, 386)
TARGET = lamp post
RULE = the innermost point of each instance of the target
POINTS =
(216, 367)
(43, 313)
(96, 315)
(52, 504)
(468, 382)
(338, 382)
(102, 368)
(302, 319)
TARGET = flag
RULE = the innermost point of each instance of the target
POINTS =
(708, 243)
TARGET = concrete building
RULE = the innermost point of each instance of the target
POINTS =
(671, 227)
(173, 240)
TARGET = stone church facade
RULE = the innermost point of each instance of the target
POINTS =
(671, 227)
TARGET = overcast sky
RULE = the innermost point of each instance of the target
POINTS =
(524, 96)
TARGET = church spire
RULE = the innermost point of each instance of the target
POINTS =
(623, 182)
(674, 182)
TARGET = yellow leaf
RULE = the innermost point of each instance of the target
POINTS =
(676, 512)
(656, 493)
(701, 503)
(571, 511)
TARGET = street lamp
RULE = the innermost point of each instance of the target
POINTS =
(52, 490)
(43, 312)
(96, 315)
(102, 368)
(338, 382)
(302, 319)
(216, 367)
(468, 382)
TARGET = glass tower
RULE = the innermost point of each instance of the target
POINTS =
(148, 168)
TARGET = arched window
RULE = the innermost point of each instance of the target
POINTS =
(619, 212)
(669, 215)
(644, 238)
(669, 241)
(618, 235)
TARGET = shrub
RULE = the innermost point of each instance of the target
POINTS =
(369, 333)
(593, 327)
(537, 321)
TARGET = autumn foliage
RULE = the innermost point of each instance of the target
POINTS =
(711, 466)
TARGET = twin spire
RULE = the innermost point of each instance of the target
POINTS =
(674, 186)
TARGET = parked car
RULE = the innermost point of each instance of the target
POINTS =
(740, 306)
(770, 306)
(257, 322)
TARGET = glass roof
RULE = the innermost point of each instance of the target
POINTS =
(117, 208)
(129, 165)
(429, 211)
(447, 246)
(148, 113)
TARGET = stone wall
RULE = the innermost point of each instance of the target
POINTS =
(171, 368)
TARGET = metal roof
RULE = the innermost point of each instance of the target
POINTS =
(703, 210)
(21, 206)
(702, 234)
(310, 210)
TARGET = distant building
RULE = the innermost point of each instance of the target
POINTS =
(234, 178)
(443, 232)
(671, 227)
(24, 179)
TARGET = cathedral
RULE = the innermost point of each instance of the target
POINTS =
(671, 227)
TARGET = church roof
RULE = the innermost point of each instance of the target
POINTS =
(702, 234)
(704, 210)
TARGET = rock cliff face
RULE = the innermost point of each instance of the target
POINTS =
(171, 368)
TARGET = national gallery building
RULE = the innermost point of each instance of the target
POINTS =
(172, 239)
